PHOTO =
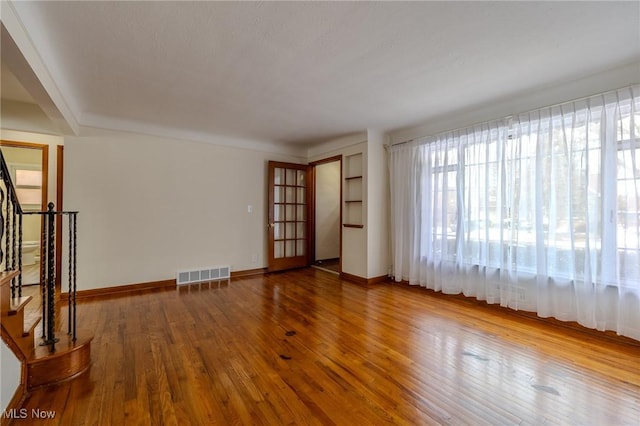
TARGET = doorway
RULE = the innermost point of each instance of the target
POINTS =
(327, 213)
(27, 163)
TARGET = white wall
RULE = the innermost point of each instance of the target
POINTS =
(328, 210)
(9, 375)
(150, 206)
(377, 206)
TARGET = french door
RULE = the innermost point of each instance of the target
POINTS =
(288, 226)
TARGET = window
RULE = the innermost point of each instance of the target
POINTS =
(28, 184)
(553, 193)
(627, 198)
(538, 211)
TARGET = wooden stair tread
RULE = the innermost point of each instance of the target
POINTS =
(69, 360)
(63, 346)
(18, 303)
(7, 276)
(30, 324)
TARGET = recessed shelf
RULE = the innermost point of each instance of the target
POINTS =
(353, 192)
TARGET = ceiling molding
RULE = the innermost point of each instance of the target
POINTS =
(130, 126)
(33, 73)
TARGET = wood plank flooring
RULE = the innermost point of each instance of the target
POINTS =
(304, 347)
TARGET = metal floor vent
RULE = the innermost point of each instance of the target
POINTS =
(211, 273)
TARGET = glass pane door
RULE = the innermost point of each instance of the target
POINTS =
(288, 224)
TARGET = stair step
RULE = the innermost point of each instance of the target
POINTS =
(7, 276)
(43, 368)
(69, 360)
(18, 303)
(30, 324)
(13, 324)
(5, 290)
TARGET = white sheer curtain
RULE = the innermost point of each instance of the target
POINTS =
(539, 212)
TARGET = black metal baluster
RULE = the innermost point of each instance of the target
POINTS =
(20, 255)
(51, 284)
(43, 282)
(1, 223)
(75, 282)
(14, 214)
(6, 227)
(5, 209)
(70, 276)
(12, 244)
(7, 242)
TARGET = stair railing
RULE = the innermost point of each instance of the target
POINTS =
(10, 229)
(11, 214)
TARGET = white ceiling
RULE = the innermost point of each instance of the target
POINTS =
(303, 72)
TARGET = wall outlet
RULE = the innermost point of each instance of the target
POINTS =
(254, 258)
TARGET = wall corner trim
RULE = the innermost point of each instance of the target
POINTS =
(366, 282)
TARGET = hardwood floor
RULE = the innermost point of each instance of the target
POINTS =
(304, 347)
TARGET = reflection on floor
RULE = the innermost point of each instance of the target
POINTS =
(329, 265)
(305, 347)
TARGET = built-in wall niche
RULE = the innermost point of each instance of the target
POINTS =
(353, 179)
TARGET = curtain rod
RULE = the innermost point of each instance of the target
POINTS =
(508, 117)
(451, 130)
